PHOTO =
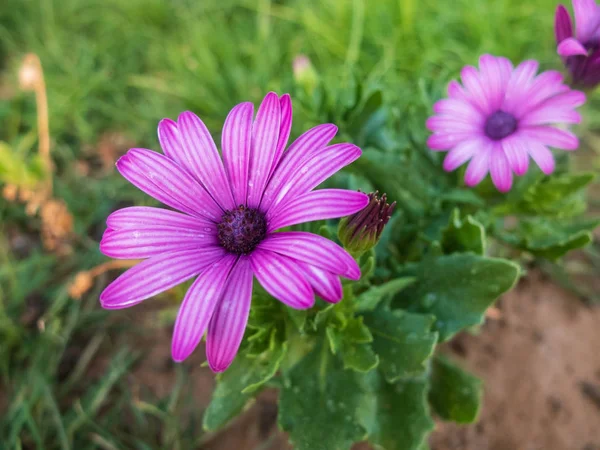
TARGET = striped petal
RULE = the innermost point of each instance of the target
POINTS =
(326, 285)
(146, 216)
(200, 155)
(282, 278)
(479, 166)
(265, 135)
(161, 178)
(500, 169)
(542, 156)
(228, 323)
(475, 90)
(236, 143)
(519, 83)
(156, 275)
(285, 127)
(145, 242)
(313, 249)
(317, 169)
(587, 18)
(516, 153)
(462, 153)
(312, 141)
(197, 307)
(552, 137)
(316, 205)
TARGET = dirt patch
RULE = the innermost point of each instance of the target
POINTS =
(540, 361)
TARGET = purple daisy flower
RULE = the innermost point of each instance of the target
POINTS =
(501, 116)
(230, 206)
(580, 51)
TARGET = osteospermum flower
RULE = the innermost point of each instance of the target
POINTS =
(230, 206)
(500, 117)
(580, 50)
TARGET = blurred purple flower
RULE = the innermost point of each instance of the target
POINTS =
(580, 51)
(500, 117)
(224, 234)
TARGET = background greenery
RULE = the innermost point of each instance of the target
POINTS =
(113, 69)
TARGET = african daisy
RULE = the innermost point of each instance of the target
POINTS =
(230, 205)
(502, 115)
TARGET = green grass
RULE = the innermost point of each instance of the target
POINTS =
(114, 66)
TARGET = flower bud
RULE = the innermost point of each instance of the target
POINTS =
(304, 73)
(361, 231)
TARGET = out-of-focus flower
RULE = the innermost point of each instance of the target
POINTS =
(224, 233)
(500, 117)
(580, 48)
(305, 74)
(361, 231)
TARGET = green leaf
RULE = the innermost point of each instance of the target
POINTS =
(403, 341)
(457, 289)
(463, 235)
(359, 357)
(554, 196)
(368, 300)
(455, 394)
(397, 415)
(320, 402)
(549, 238)
(239, 384)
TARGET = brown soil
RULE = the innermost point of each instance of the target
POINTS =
(540, 361)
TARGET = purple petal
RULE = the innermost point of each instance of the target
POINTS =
(313, 249)
(562, 24)
(450, 124)
(458, 108)
(197, 307)
(479, 166)
(445, 141)
(168, 136)
(495, 75)
(285, 104)
(282, 278)
(457, 92)
(587, 18)
(161, 178)
(146, 216)
(156, 275)
(519, 83)
(552, 137)
(462, 153)
(265, 135)
(516, 153)
(559, 108)
(571, 47)
(541, 155)
(500, 169)
(326, 285)
(145, 242)
(317, 169)
(228, 323)
(236, 143)
(313, 141)
(545, 85)
(201, 156)
(475, 88)
(316, 205)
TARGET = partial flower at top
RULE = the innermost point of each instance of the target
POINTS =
(580, 48)
(230, 206)
(500, 117)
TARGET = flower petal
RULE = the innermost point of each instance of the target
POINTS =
(197, 307)
(317, 169)
(562, 24)
(495, 75)
(559, 108)
(326, 285)
(552, 137)
(156, 275)
(479, 165)
(282, 278)
(168, 136)
(542, 156)
(313, 249)
(145, 242)
(312, 141)
(475, 89)
(228, 323)
(200, 155)
(265, 135)
(500, 169)
(519, 83)
(516, 153)
(316, 205)
(462, 153)
(161, 178)
(147, 216)
(571, 47)
(444, 141)
(587, 18)
(285, 104)
(458, 108)
(545, 85)
(236, 143)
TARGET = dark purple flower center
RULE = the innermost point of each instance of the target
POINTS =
(242, 229)
(499, 125)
